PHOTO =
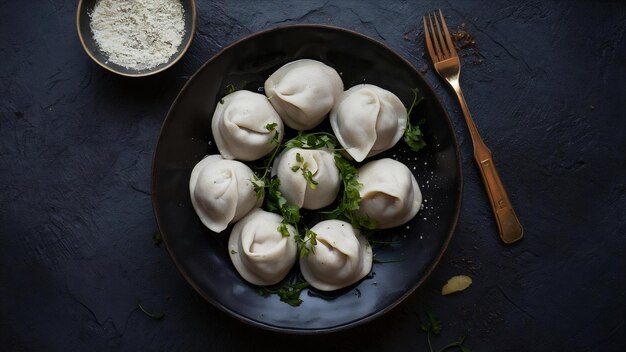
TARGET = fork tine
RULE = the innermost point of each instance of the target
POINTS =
(434, 38)
(448, 37)
(429, 43)
(444, 49)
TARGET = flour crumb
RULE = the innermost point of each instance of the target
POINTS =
(138, 34)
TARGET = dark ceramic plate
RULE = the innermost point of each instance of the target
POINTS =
(85, 8)
(413, 250)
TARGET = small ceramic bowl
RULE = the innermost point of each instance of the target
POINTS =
(83, 19)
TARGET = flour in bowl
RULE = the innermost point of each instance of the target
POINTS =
(138, 34)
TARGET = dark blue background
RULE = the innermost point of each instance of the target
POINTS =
(76, 219)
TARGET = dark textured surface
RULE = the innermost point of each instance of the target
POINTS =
(548, 97)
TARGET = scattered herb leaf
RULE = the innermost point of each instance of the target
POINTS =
(156, 238)
(153, 316)
(260, 183)
(350, 199)
(306, 243)
(271, 126)
(413, 135)
(289, 291)
(230, 89)
(232, 251)
(432, 326)
(315, 140)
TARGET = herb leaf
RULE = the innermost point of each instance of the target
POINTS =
(231, 88)
(307, 243)
(432, 326)
(350, 199)
(315, 140)
(156, 238)
(289, 292)
(413, 135)
(271, 126)
(153, 316)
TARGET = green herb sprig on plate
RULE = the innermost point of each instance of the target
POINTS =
(413, 135)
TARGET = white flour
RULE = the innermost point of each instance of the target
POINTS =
(138, 34)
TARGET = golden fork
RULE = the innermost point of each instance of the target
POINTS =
(448, 65)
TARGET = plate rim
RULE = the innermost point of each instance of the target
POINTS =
(354, 323)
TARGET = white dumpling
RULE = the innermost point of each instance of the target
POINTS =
(259, 252)
(389, 193)
(222, 191)
(293, 185)
(239, 126)
(303, 92)
(340, 258)
(368, 120)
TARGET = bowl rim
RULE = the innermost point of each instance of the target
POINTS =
(333, 329)
(180, 54)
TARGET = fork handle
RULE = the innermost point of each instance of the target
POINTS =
(509, 226)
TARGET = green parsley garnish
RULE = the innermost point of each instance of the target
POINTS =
(276, 203)
(350, 199)
(231, 88)
(307, 243)
(156, 238)
(315, 140)
(260, 183)
(271, 126)
(413, 135)
(304, 167)
(153, 316)
(289, 292)
(432, 326)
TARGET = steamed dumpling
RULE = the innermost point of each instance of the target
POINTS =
(341, 256)
(222, 191)
(290, 165)
(303, 92)
(239, 126)
(389, 193)
(368, 120)
(259, 252)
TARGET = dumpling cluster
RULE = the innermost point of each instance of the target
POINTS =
(389, 193)
(239, 126)
(303, 92)
(368, 120)
(222, 191)
(259, 252)
(290, 167)
(340, 258)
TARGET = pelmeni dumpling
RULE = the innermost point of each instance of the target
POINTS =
(389, 193)
(239, 126)
(303, 92)
(341, 256)
(368, 120)
(222, 191)
(290, 167)
(260, 253)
